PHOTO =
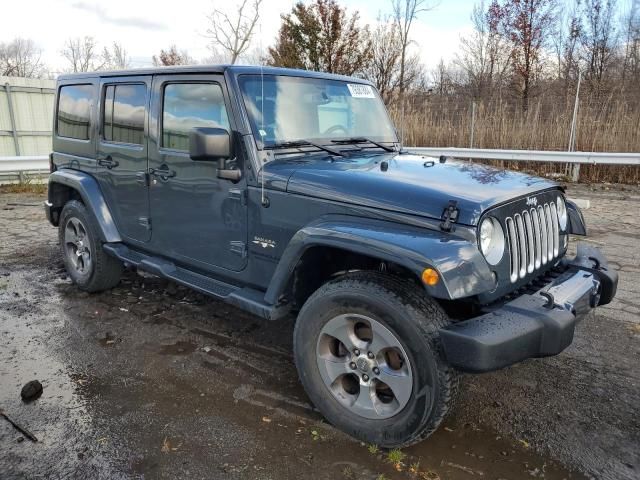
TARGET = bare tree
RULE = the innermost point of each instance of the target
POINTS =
(599, 40)
(484, 54)
(82, 54)
(233, 32)
(566, 44)
(443, 82)
(631, 65)
(385, 49)
(115, 58)
(21, 58)
(172, 56)
(405, 12)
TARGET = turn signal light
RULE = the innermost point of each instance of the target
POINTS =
(430, 277)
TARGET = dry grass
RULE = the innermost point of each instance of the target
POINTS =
(608, 125)
(37, 188)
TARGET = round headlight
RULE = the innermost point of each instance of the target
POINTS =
(491, 240)
(562, 213)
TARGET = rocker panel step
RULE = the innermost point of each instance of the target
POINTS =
(248, 299)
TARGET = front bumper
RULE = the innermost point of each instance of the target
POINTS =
(536, 325)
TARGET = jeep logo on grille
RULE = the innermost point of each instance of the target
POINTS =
(532, 201)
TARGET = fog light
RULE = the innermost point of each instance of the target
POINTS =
(430, 277)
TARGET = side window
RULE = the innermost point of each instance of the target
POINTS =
(74, 111)
(124, 107)
(189, 105)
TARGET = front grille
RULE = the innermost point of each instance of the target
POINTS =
(534, 239)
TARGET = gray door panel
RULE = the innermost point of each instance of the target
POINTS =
(196, 217)
(122, 153)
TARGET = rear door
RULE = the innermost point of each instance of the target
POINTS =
(197, 218)
(122, 153)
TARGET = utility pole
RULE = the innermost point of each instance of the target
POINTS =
(575, 168)
(473, 122)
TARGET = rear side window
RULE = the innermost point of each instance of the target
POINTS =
(189, 105)
(74, 111)
(123, 111)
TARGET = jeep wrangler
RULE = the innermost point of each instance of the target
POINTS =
(288, 192)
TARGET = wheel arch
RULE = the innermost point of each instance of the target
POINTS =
(367, 244)
(65, 185)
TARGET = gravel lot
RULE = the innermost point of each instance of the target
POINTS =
(152, 380)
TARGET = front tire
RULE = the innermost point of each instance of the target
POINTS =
(367, 350)
(90, 268)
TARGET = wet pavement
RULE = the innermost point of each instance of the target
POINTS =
(151, 380)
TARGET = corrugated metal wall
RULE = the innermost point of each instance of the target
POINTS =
(29, 118)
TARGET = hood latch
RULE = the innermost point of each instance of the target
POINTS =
(449, 216)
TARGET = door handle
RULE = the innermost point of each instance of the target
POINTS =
(163, 172)
(108, 162)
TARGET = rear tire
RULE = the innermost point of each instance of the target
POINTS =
(388, 331)
(90, 268)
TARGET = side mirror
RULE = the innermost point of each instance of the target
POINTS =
(209, 144)
(213, 144)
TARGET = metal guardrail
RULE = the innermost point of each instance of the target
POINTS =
(24, 163)
(16, 167)
(23, 168)
(590, 158)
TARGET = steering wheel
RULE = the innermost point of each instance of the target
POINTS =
(334, 129)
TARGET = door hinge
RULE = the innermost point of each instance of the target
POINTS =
(449, 216)
(238, 194)
(142, 178)
(238, 247)
(145, 222)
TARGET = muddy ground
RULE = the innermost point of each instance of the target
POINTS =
(150, 380)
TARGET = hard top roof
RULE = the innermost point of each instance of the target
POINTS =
(195, 69)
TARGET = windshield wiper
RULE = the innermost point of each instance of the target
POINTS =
(304, 143)
(355, 140)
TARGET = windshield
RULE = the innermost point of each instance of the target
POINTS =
(285, 109)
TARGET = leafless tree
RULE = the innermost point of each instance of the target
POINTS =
(483, 55)
(599, 40)
(21, 58)
(443, 79)
(172, 56)
(631, 65)
(405, 12)
(115, 58)
(566, 43)
(233, 32)
(82, 54)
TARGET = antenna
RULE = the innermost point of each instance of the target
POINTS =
(261, 130)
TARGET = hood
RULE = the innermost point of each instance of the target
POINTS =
(413, 184)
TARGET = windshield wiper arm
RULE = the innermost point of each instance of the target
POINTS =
(348, 140)
(305, 143)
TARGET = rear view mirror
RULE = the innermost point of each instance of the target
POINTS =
(213, 144)
(209, 144)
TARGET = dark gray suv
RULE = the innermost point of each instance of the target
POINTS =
(283, 191)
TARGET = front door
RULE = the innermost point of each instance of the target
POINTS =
(196, 217)
(122, 153)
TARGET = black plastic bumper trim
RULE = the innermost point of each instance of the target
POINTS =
(526, 327)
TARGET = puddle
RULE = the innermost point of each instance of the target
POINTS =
(178, 348)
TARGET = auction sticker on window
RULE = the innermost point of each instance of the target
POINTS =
(358, 90)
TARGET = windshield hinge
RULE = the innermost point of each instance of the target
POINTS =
(449, 216)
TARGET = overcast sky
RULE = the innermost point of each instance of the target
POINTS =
(143, 27)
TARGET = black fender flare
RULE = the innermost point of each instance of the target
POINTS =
(89, 190)
(577, 225)
(462, 268)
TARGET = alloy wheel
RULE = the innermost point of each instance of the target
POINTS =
(364, 366)
(77, 246)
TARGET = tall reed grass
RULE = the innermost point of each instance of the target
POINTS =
(607, 125)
